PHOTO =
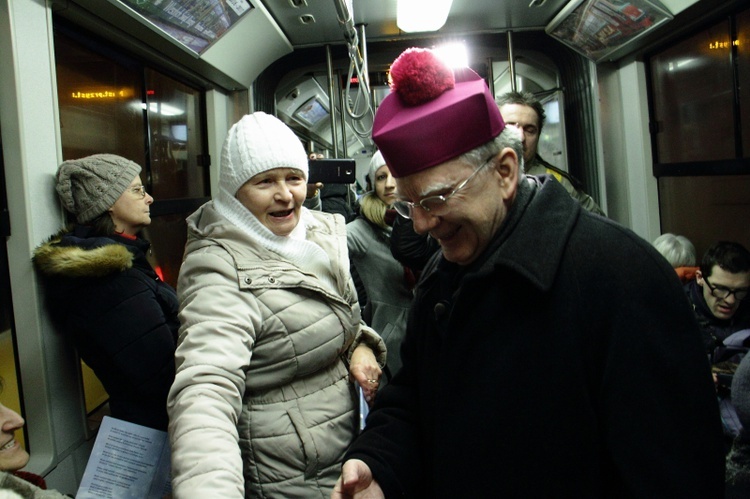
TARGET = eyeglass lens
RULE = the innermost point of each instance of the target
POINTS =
(722, 292)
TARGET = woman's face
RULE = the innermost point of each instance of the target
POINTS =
(12, 455)
(385, 185)
(132, 210)
(275, 198)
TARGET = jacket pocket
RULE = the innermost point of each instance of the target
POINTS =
(308, 446)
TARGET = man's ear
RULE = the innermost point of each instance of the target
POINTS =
(506, 165)
(699, 277)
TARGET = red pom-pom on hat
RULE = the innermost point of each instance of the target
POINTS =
(418, 76)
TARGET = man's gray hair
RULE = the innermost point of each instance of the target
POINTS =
(509, 137)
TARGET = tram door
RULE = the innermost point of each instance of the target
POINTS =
(111, 102)
(9, 389)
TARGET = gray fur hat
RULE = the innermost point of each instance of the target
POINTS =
(90, 186)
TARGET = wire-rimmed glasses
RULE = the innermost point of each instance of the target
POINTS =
(139, 190)
(434, 203)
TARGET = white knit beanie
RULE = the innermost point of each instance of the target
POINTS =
(257, 143)
(376, 162)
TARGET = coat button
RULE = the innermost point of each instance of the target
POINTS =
(272, 280)
(248, 280)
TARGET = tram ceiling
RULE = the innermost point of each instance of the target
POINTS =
(205, 36)
(601, 30)
(314, 22)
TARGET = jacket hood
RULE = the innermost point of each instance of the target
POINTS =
(65, 255)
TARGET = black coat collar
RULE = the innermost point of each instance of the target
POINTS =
(532, 239)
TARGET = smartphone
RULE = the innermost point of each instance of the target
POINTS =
(332, 171)
(364, 409)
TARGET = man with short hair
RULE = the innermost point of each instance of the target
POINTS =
(719, 295)
(533, 364)
(525, 112)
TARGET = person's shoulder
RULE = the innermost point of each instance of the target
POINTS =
(616, 244)
(560, 174)
(326, 218)
(103, 258)
(321, 223)
(13, 486)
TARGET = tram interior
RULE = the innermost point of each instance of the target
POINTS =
(676, 161)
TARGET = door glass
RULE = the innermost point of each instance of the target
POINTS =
(175, 131)
(101, 109)
(110, 103)
(742, 43)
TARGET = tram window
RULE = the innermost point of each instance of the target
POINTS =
(100, 104)
(743, 66)
(693, 98)
(174, 125)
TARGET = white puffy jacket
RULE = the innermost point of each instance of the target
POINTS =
(262, 405)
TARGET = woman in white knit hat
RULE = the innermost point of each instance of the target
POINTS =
(387, 283)
(271, 343)
(104, 295)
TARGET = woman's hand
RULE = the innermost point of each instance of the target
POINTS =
(365, 370)
(312, 189)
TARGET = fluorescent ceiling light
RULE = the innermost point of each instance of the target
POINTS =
(454, 54)
(422, 15)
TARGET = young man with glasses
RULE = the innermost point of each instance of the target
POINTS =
(719, 295)
(533, 366)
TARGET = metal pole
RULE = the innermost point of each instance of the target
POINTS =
(511, 62)
(491, 76)
(343, 96)
(332, 103)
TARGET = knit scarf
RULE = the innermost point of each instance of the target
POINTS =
(295, 248)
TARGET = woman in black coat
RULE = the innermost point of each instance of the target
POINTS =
(103, 294)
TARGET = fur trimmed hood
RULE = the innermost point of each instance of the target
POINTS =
(67, 255)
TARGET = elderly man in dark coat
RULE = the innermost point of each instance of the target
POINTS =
(549, 352)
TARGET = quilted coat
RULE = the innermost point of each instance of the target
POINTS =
(262, 405)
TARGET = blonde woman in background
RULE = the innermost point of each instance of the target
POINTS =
(387, 283)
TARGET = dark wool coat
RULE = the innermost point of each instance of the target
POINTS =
(565, 362)
(105, 297)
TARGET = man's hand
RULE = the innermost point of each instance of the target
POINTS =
(356, 482)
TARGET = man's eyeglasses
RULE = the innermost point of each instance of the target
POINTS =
(434, 203)
(139, 190)
(723, 292)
